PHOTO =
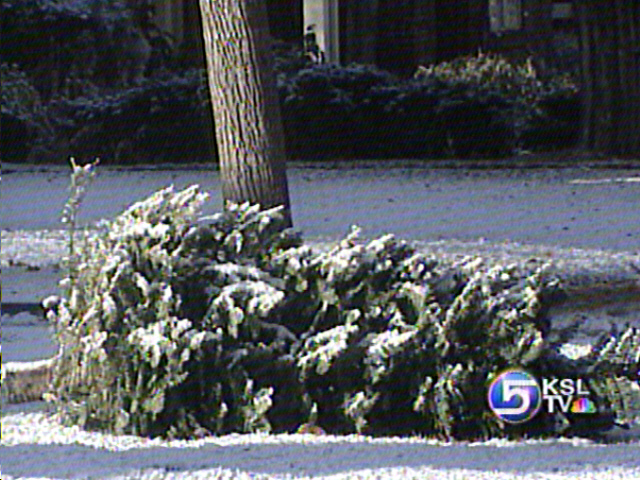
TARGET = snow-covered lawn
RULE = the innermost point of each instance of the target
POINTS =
(34, 445)
(544, 214)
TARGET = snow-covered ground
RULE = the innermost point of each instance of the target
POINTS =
(563, 207)
(586, 222)
(35, 446)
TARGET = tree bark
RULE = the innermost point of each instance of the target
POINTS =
(610, 75)
(246, 108)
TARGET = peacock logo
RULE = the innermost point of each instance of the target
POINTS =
(583, 405)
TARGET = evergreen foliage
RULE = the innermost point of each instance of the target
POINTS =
(100, 83)
(25, 123)
(181, 326)
(475, 106)
(92, 78)
(163, 119)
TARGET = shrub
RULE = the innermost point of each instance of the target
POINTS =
(182, 327)
(121, 103)
(557, 124)
(103, 87)
(57, 41)
(475, 124)
(289, 59)
(479, 106)
(400, 121)
(321, 109)
(161, 120)
(72, 45)
(502, 104)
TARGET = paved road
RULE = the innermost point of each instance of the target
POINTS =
(570, 207)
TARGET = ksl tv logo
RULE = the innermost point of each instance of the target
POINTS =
(516, 396)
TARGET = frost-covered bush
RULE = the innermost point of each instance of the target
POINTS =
(322, 108)
(474, 106)
(97, 78)
(69, 47)
(134, 352)
(523, 109)
(162, 119)
(183, 326)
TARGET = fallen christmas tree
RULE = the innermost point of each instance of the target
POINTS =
(180, 326)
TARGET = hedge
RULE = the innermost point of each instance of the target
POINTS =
(164, 119)
(102, 87)
(477, 106)
(480, 106)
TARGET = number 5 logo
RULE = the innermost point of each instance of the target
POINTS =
(515, 396)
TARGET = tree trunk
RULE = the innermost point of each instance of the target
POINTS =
(246, 109)
(610, 75)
